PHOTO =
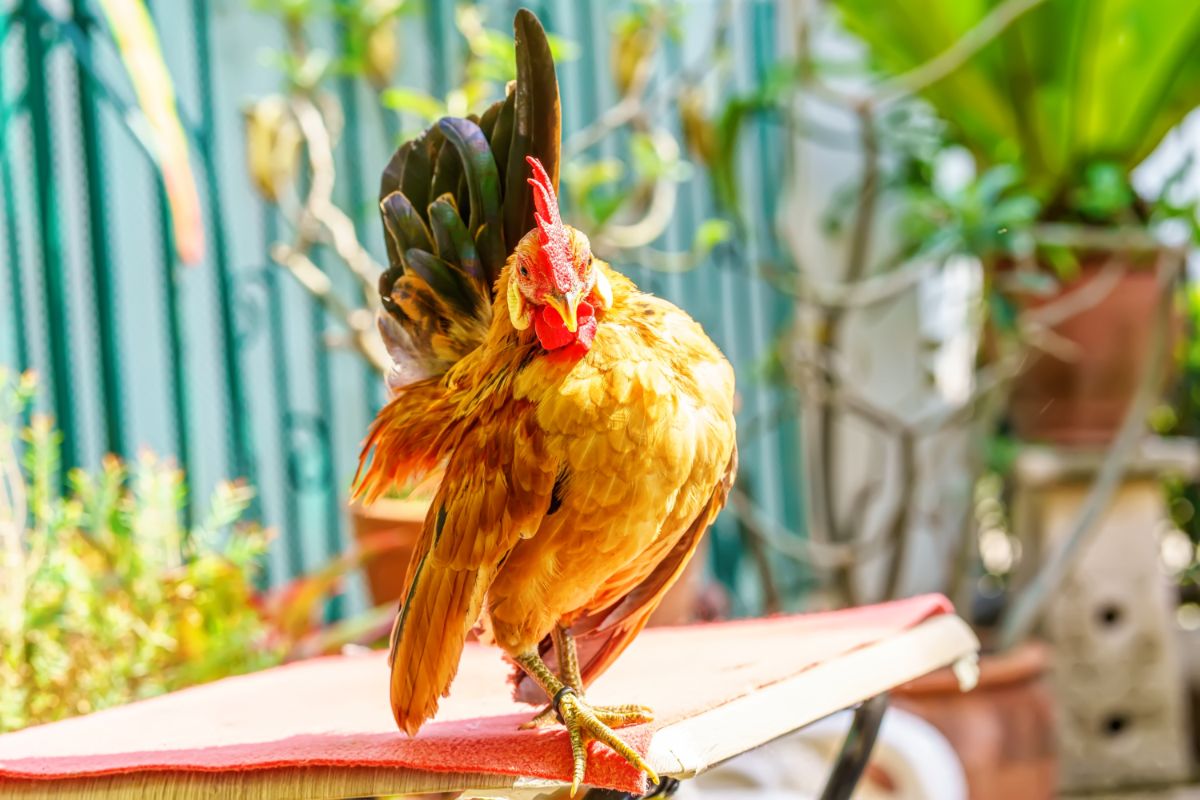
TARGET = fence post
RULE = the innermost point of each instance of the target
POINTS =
(53, 276)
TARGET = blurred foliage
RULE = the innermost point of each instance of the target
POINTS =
(955, 152)
(372, 49)
(106, 596)
(1180, 416)
(1074, 93)
(489, 64)
(1014, 136)
(1054, 113)
(989, 215)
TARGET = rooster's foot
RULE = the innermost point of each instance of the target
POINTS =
(585, 723)
(613, 716)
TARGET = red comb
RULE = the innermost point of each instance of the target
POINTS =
(552, 236)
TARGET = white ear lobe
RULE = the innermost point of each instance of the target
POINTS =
(518, 312)
(603, 290)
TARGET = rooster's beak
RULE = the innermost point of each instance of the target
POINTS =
(567, 306)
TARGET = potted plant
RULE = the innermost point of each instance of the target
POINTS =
(1045, 108)
(1072, 96)
(1054, 104)
(389, 529)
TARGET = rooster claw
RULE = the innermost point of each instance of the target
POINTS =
(545, 718)
(613, 716)
(585, 723)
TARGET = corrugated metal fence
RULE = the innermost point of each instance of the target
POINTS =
(224, 365)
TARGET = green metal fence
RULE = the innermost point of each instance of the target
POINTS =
(224, 366)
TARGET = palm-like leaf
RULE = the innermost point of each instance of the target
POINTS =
(1070, 83)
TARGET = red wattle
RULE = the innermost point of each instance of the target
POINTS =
(552, 331)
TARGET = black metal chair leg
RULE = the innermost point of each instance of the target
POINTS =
(856, 750)
(665, 788)
(847, 770)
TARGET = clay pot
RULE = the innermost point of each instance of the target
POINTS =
(386, 532)
(1003, 730)
(1083, 401)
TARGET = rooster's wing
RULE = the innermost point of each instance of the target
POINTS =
(496, 489)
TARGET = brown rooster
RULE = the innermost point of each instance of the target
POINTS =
(584, 429)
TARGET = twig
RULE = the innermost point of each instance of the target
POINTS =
(1088, 237)
(772, 598)
(891, 90)
(1076, 301)
(868, 195)
(319, 202)
(988, 381)
(805, 551)
(637, 102)
(985, 31)
(901, 525)
(1036, 325)
(659, 211)
(615, 117)
(830, 324)
(962, 556)
(319, 220)
(858, 404)
(867, 292)
(314, 280)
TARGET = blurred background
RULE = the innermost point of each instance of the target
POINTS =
(944, 243)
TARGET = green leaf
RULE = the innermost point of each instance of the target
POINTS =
(1105, 192)
(110, 611)
(709, 234)
(738, 111)
(1068, 84)
(652, 164)
(414, 101)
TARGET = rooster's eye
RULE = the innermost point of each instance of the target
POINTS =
(524, 271)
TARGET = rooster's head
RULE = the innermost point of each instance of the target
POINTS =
(553, 283)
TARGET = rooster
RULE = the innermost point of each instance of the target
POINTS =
(584, 429)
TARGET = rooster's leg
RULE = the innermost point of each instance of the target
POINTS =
(569, 674)
(568, 659)
(584, 722)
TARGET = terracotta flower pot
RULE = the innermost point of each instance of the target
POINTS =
(1083, 401)
(388, 531)
(1002, 730)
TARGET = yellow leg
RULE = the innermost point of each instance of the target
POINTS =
(583, 722)
(569, 674)
(568, 659)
